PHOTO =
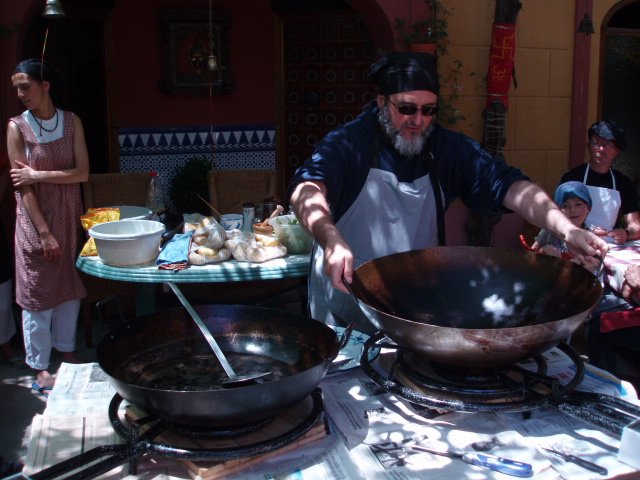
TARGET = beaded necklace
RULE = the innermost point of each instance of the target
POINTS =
(42, 127)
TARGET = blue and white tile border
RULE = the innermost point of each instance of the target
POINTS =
(163, 149)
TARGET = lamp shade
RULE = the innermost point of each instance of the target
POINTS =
(586, 25)
(53, 9)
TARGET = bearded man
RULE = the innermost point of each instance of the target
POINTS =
(381, 184)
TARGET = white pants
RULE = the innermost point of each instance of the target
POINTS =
(7, 323)
(50, 328)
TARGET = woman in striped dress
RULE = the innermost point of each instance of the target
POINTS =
(49, 160)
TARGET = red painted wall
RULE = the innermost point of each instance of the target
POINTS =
(141, 103)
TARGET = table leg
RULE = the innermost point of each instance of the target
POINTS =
(145, 298)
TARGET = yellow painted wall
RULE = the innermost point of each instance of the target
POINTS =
(538, 120)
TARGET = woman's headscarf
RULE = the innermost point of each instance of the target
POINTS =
(39, 71)
(572, 189)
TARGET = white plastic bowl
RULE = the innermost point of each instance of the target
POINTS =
(294, 237)
(133, 212)
(128, 242)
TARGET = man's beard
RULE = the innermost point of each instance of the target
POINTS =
(407, 147)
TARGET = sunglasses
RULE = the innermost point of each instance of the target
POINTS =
(409, 110)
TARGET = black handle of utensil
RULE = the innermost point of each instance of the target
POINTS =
(346, 335)
(586, 464)
(348, 285)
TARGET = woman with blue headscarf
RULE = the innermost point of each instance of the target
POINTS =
(49, 160)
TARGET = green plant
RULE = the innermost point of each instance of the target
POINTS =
(450, 70)
(189, 181)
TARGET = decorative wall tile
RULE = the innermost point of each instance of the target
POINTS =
(164, 149)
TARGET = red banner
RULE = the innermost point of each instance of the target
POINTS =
(501, 56)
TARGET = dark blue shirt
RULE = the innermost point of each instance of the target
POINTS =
(343, 158)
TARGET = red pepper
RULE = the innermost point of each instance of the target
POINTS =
(526, 246)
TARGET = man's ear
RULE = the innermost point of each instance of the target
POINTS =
(382, 101)
(45, 85)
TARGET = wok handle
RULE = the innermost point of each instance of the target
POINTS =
(348, 285)
(205, 331)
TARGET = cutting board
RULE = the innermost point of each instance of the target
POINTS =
(211, 470)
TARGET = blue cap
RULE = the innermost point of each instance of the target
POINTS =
(572, 189)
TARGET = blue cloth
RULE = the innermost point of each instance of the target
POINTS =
(175, 250)
(573, 189)
(342, 161)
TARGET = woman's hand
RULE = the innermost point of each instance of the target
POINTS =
(50, 246)
(24, 175)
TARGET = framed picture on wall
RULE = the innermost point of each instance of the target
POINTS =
(186, 50)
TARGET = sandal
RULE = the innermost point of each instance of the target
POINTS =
(44, 391)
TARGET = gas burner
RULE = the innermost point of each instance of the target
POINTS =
(141, 440)
(205, 432)
(507, 389)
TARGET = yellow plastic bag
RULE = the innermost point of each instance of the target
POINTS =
(96, 216)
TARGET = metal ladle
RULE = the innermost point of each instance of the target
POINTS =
(234, 379)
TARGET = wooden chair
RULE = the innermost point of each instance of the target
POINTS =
(111, 189)
(230, 189)
(106, 190)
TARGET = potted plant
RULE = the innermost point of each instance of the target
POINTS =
(431, 36)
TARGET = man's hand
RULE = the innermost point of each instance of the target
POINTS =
(583, 243)
(24, 175)
(632, 276)
(50, 246)
(338, 262)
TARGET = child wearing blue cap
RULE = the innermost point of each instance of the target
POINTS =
(574, 200)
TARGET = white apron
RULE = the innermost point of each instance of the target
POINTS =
(605, 204)
(387, 217)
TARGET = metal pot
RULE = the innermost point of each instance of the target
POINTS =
(475, 306)
(162, 363)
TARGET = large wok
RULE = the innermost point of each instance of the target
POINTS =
(475, 306)
(162, 363)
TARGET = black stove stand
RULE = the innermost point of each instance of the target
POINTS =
(139, 443)
(500, 390)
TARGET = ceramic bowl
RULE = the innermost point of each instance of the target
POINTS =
(231, 221)
(128, 242)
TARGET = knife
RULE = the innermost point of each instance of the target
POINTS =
(499, 464)
(579, 461)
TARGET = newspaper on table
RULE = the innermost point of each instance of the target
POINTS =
(76, 421)
(58, 438)
(380, 431)
(80, 389)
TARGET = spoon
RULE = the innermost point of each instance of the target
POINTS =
(234, 380)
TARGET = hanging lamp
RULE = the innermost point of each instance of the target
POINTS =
(586, 24)
(212, 62)
(53, 9)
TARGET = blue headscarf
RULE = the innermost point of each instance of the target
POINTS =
(573, 189)
(39, 71)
